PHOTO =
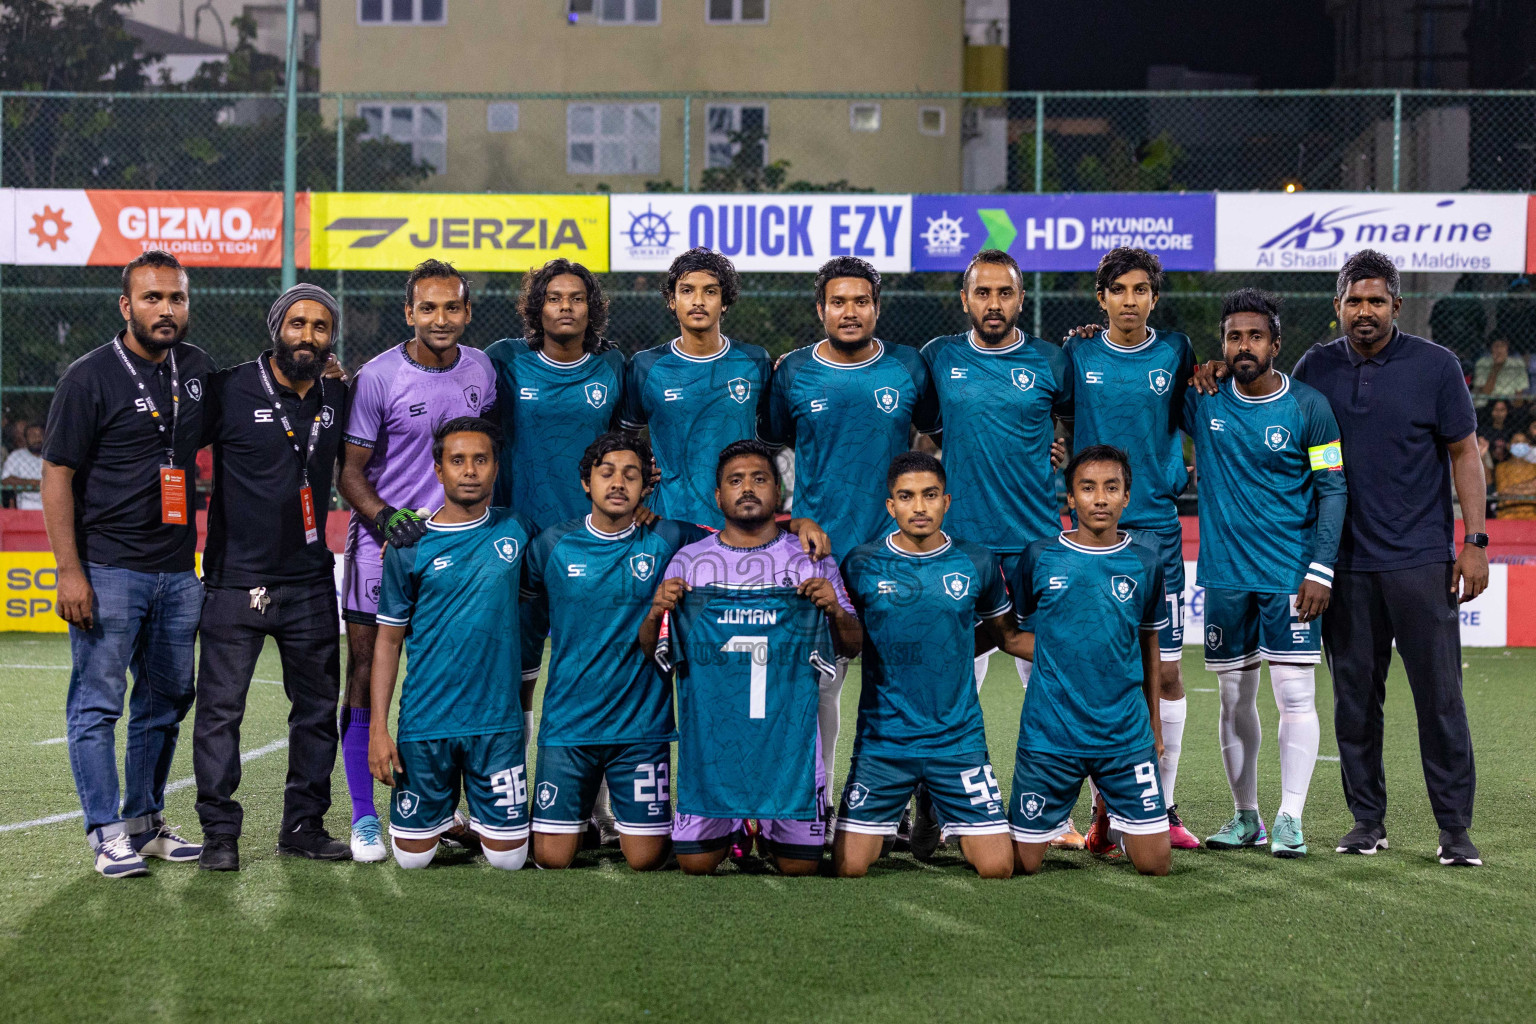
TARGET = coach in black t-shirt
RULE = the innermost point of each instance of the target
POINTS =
(1408, 432)
(118, 476)
(275, 425)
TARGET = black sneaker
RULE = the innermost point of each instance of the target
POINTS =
(926, 830)
(1456, 849)
(221, 852)
(1365, 838)
(313, 844)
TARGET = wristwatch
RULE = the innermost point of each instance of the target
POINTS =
(1479, 540)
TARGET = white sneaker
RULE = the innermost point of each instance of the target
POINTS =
(163, 842)
(368, 841)
(116, 858)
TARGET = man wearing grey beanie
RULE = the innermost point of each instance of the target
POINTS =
(276, 425)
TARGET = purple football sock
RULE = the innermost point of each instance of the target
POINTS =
(354, 758)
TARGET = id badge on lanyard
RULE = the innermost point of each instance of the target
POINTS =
(306, 493)
(173, 496)
(174, 507)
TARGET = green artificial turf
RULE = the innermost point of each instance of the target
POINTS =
(1233, 936)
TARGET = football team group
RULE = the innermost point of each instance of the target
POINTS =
(632, 512)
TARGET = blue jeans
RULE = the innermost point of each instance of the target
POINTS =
(146, 623)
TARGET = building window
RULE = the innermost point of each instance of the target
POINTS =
(864, 117)
(613, 138)
(402, 12)
(423, 125)
(736, 12)
(732, 126)
(629, 12)
(501, 117)
(930, 120)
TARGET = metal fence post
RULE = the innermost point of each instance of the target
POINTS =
(2, 269)
(341, 186)
(1397, 140)
(1039, 187)
(290, 147)
(687, 143)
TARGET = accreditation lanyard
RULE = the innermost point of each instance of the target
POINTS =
(173, 479)
(306, 495)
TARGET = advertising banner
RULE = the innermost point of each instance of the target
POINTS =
(1450, 233)
(80, 227)
(774, 232)
(396, 231)
(1063, 232)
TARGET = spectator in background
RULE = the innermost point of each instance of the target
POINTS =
(1496, 375)
(1495, 422)
(24, 468)
(1517, 475)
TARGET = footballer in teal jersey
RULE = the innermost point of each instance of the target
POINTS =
(919, 593)
(455, 594)
(607, 710)
(1091, 707)
(698, 392)
(1272, 502)
(1128, 391)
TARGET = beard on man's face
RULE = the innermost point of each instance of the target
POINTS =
(1249, 368)
(144, 333)
(996, 330)
(296, 367)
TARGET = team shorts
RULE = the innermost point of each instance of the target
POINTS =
(639, 786)
(1243, 628)
(1169, 547)
(1046, 787)
(793, 840)
(362, 575)
(964, 791)
(489, 767)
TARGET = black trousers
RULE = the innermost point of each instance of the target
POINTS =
(302, 619)
(1416, 608)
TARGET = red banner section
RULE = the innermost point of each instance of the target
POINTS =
(80, 227)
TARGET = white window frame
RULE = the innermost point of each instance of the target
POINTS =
(504, 108)
(853, 116)
(596, 139)
(712, 138)
(735, 18)
(417, 140)
(629, 16)
(943, 119)
(385, 21)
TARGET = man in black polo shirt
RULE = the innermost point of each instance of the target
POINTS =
(276, 426)
(118, 474)
(1408, 431)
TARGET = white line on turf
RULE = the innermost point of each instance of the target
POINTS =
(1202, 689)
(59, 668)
(1325, 757)
(49, 743)
(171, 787)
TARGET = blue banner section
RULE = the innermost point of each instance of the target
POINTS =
(1064, 232)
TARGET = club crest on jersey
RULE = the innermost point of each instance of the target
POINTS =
(1022, 378)
(195, 389)
(888, 399)
(1213, 637)
(327, 416)
(957, 585)
(506, 548)
(740, 389)
(545, 796)
(642, 566)
(1123, 587)
(597, 394)
(1276, 438)
(472, 396)
(1031, 805)
(373, 589)
(406, 803)
(1160, 381)
(856, 794)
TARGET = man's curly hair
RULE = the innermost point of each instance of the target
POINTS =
(710, 262)
(530, 303)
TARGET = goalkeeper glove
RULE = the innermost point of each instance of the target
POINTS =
(400, 526)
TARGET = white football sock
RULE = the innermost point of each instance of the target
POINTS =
(979, 668)
(1025, 670)
(829, 710)
(1295, 687)
(410, 860)
(1172, 713)
(507, 860)
(602, 807)
(1240, 734)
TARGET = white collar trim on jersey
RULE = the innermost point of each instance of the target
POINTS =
(1285, 385)
(1151, 337)
(725, 346)
(1125, 540)
(604, 535)
(457, 526)
(816, 355)
(890, 542)
(1017, 341)
(563, 366)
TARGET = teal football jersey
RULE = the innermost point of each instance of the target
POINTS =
(749, 663)
(457, 589)
(1090, 606)
(1133, 398)
(1265, 464)
(918, 695)
(694, 407)
(846, 423)
(597, 588)
(550, 412)
(995, 408)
